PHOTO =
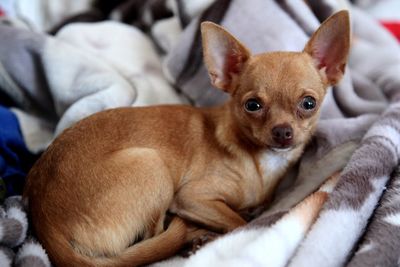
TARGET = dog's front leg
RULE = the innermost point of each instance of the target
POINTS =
(215, 215)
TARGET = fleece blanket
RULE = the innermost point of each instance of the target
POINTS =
(339, 206)
(352, 219)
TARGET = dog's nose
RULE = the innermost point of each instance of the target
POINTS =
(283, 134)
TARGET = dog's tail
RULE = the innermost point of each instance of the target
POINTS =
(148, 251)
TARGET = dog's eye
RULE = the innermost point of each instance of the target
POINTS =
(252, 105)
(308, 103)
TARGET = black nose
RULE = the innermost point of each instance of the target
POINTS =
(283, 134)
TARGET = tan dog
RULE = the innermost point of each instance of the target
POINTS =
(110, 180)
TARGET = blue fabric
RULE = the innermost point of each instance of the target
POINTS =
(15, 159)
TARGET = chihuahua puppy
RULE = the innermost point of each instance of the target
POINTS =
(100, 194)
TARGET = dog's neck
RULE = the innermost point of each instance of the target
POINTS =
(270, 164)
(228, 133)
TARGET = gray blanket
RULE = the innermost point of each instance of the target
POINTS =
(338, 206)
(354, 218)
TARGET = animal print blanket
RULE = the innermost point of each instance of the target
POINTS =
(339, 206)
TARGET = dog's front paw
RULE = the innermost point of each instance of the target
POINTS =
(198, 243)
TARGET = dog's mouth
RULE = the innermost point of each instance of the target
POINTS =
(282, 148)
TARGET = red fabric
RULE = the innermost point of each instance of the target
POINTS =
(1, 12)
(393, 27)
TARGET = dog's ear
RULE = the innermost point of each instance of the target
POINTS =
(329, 46)
(224, 55)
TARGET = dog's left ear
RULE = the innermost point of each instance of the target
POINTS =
(224, 55)
(329, 46)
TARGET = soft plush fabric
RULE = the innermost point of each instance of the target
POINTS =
(41, 15)
(339, 206)
(330, 227)
(385, 11)
(15, 159)
(14, 228)
(80, 72)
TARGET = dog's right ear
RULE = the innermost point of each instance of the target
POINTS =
(224, 55)
(329, 46)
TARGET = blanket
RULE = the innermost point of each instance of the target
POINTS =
(15, 159)
(345, 221)
(339, 206)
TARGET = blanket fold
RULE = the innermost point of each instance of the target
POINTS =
(339, 206)
(369, 85)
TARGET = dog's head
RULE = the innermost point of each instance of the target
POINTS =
(276, 97)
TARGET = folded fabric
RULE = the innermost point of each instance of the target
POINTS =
(89, 67)
(15, 159)
(16, 248)
(65, 78)
(385, 11)
(41, 15)
(162, 19)
(281, 236)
